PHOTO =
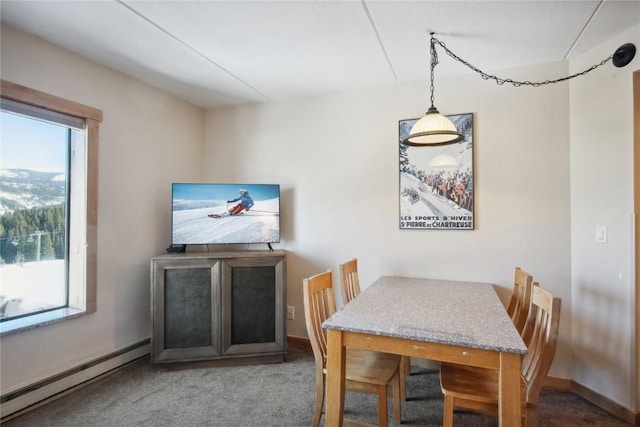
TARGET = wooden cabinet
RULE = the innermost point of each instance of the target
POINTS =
(223, 307)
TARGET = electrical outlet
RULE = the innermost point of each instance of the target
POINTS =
(290, 312)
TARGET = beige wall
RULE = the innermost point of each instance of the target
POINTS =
(603, 290)
(148, 139)
(336, 157)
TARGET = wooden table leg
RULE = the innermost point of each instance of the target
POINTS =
(335, 379)
(509, 409)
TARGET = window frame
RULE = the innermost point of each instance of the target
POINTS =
(82, 291)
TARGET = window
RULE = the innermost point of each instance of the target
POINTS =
(48, 204)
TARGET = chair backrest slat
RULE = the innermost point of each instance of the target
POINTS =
(349, 280)
(520, 301)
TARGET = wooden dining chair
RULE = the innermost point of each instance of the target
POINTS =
(520, 301)
(365, 371)
(350, 286)
(477, 388)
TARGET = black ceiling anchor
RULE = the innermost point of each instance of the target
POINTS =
(624, 54)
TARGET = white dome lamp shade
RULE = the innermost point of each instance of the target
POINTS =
(432, 130)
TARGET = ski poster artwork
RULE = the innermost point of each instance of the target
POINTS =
(436, 183)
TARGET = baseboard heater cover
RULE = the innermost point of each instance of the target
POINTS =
(61, 384)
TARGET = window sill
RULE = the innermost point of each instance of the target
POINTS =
(37, 320)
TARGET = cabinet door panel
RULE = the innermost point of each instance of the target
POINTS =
(253, 305)
(187, 308)
(253, 295)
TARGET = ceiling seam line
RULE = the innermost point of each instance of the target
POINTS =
(584, 29)
(375, 30)
(209, 60)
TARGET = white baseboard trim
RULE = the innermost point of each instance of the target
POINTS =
(62, 384)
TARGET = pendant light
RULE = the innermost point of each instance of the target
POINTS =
(433, 129)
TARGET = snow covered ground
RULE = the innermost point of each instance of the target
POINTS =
(259, 225)
(33, 286)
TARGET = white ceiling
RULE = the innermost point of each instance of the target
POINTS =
(219, 53)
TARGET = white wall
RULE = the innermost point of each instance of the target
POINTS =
(603, 287)
(336, 157)
(148, 139)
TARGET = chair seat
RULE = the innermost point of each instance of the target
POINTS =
(371, 366)
(466, 382)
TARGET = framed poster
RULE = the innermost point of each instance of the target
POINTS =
(436, 183)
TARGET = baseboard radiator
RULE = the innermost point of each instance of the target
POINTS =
(17, 402)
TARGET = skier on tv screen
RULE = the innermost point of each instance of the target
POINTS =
(246, 203)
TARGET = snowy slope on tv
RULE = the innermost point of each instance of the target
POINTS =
(192, 226)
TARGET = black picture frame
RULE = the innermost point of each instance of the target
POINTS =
(436, 183)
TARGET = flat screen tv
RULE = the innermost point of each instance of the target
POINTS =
(205, 214)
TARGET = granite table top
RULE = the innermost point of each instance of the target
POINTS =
(468, 314)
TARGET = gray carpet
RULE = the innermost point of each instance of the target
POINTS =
(263, 395)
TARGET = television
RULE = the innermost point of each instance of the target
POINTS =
(204, 214)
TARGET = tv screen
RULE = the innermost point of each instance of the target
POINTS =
(225, 213)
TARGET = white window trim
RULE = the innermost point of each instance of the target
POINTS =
(83, 286)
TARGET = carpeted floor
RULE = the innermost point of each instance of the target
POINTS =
(263, 395)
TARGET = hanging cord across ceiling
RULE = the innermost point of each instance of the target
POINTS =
(621, 57)
(434, 129)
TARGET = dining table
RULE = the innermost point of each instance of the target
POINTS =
(449, 321)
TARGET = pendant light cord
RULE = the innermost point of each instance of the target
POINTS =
(498, 80)
(434, 62)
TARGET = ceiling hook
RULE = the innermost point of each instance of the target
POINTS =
(624, 54)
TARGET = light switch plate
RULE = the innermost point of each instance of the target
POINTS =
(601, 233)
